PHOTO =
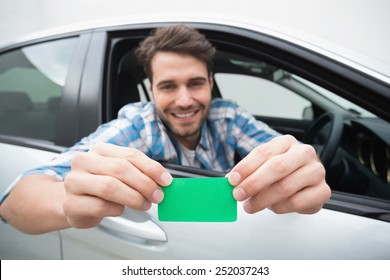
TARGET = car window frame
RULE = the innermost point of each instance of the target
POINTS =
(302, 62)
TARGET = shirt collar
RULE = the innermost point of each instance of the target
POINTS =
(204, 143)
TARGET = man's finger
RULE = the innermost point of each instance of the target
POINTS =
(258, 156)
(273, 170)
(105, 188)
(146, 165)
(307, 201)
(281, 190)
(117, 178)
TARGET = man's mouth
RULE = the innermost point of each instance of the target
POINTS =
(184, 115)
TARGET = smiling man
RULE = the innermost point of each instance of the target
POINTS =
(117, 166)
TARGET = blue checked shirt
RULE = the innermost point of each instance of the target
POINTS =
(229, 129)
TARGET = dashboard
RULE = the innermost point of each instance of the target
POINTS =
(373, 146)
(362, 165)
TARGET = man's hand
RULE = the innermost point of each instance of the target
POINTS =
(106, 179)
(282, 175)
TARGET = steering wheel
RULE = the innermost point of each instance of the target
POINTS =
(328, 148)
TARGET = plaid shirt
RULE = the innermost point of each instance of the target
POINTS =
(229, 129)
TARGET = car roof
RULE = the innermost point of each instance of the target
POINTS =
(352, 58)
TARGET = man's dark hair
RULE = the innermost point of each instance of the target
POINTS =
(181, 39)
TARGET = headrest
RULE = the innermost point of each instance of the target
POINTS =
(15, 101)
(53, 104)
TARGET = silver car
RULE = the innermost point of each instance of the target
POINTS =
(57, 88)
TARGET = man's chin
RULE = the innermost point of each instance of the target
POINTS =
(186, 132)
(183, 130)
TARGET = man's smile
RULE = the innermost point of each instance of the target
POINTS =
(185, 115)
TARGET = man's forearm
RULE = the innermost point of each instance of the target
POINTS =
(34, 205)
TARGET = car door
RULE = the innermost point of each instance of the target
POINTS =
(35, 98)
(345, 229)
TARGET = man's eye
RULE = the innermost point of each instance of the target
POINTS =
(196, 84)
(167, 87)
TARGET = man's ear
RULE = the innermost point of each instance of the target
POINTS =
(211, 81)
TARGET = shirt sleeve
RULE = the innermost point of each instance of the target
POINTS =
(121, 131)
(114, 132)
(250, 132)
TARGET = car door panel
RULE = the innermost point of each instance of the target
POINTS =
(250, 237)
(15, 244)
(134, 235)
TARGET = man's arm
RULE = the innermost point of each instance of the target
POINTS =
(282, 175)
(102, 182)
(35, 205)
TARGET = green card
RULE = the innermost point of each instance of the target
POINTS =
(198, 200)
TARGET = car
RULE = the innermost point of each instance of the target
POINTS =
(58, 87)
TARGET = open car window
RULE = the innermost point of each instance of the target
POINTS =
(272, 94)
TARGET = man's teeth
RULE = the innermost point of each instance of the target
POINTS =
(186, 115)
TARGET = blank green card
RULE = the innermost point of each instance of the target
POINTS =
(198, 200)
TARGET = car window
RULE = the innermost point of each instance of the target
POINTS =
(31, 83)
(269, 91)
(266, 90)
(262, 97)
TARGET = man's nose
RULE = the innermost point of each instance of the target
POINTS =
(184, 98)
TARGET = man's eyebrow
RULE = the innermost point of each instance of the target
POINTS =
(163, 82)
(200, 78)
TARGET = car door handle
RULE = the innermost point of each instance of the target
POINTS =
(144, 229)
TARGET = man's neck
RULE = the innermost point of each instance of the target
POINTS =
(190, 142)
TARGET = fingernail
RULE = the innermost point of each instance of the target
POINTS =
(147, 205)
(166, 179)
(158, 196)
(234, 178)
(239, 193)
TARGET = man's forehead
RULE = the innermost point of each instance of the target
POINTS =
(170, 66)
(162, 55)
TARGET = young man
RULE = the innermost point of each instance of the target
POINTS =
(116, 167)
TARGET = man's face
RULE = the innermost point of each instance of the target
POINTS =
(182, 93)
